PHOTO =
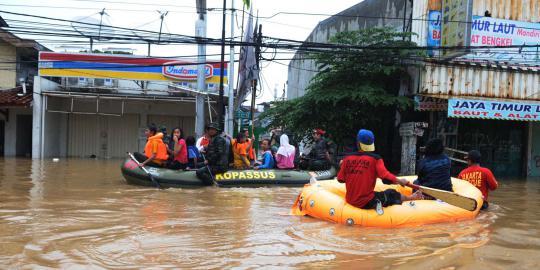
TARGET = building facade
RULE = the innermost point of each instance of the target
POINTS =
(18, 66)
(495, 85)
(98, 105)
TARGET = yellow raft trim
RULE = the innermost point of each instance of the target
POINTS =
(326, 200)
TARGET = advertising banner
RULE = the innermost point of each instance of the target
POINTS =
(487, 31)
(455, 27)
(125, 67)
(486, 109)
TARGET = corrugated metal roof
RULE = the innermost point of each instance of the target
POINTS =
(463, 80)
(518, 10)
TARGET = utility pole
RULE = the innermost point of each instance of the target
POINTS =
(258, 35)
(230, 105)
(222, 66)
(200, 32)
(162, 17)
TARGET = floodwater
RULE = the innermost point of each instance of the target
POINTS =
(81, 214)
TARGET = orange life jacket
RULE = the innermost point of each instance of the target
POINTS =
(161, 153)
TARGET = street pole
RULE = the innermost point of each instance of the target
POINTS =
(258, 36)
(222, 66)
(200, 32)
(230, 109)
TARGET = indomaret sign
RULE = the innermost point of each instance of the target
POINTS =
(125, 67)
(503, 110)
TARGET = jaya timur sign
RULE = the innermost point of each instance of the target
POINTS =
(503, 110)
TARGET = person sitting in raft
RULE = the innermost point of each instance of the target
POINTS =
(203, 141)
(480, 177)
(179, 150)
(216, 158)
(155, 151)
(319, 158)
(193, 153)
(434, 168)
(267, 158)
(250, 149)
(359, 172)
(239, 148)
(285, 154)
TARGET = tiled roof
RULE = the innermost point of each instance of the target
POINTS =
(10, 98)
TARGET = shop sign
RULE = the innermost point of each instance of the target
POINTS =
(455, 28)
(243, 115)
(126, 67)
(434, 32)
(183, 71)
(503, 110)
(422, 103)
(487, 31)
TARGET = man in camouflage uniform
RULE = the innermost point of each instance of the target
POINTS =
(216, 158)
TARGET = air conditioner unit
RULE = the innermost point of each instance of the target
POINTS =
(83, 81)
(99, 82)
(109, 82)
(71, 81)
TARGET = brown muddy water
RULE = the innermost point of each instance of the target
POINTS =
(77, 214)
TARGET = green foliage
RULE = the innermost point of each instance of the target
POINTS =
(354, 88)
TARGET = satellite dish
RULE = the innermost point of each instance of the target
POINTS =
(95, 28)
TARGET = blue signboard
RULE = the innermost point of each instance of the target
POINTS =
(434, 31)
(487, 31)
(487, 109)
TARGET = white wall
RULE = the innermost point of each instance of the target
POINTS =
(10, 140)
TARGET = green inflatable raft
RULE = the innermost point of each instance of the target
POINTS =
(232, 178)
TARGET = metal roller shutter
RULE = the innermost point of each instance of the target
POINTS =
(102, 136)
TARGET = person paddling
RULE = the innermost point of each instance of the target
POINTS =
(217, 159)
(480, 177)
(434, 169)
(359, 172)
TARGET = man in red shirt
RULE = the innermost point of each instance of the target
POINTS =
(480, 177)
(359, 172)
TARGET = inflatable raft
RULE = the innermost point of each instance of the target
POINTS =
(233, 178)
(326, 200)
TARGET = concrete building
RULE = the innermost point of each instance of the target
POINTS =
(508, 139)
(18, 66)
(98, 105)
(366, 14)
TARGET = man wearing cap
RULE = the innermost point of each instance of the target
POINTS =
(480, 177)
(216, 158)
(360, 171)
(319, 158)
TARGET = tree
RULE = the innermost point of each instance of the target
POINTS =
(355, 87)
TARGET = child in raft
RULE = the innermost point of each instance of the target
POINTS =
(480, 177)
(359, 172)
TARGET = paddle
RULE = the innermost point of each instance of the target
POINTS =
(210, 171)
(144, 169)
(447, 197)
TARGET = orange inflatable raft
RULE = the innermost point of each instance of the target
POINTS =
(326, 200)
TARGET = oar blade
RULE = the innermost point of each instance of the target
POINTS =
(451, 198)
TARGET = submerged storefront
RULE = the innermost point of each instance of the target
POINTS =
(503, 131)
